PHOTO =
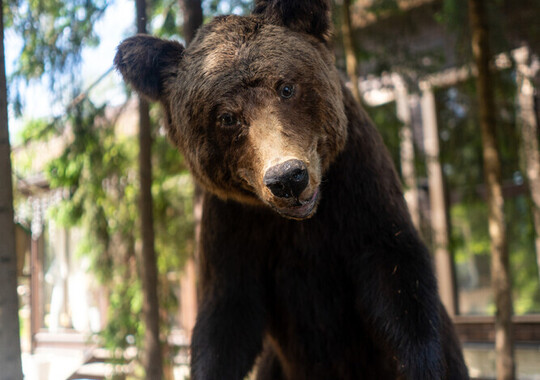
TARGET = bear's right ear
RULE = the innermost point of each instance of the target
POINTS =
(146, 63)
(307, 16)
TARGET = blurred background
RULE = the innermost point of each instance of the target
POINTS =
(450, 84)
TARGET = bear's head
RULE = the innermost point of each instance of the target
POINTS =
(254, 103)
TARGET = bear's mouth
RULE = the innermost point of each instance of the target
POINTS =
(300, 210)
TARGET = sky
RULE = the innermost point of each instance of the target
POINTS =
(116, 24)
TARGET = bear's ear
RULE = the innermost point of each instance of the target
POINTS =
(146, 63)
(308, 16)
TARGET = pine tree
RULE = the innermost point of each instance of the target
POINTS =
(153, 358)
(10, 349)
(500, 266)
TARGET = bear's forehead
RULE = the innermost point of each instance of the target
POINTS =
(248, 47)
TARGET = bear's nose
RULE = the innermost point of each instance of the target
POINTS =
(287, 179)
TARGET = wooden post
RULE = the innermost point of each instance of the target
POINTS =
(528, 128)
(406, 147)
(438, 210)
(35, 303)
(188, 297)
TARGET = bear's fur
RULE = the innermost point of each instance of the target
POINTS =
(318, 271)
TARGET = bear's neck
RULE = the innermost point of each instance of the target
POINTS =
(363, 176)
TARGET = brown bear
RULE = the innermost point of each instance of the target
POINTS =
(310, 265)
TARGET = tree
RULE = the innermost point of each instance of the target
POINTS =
(193, 18)
(350, 51)
(10, 349)
(500, 268)
(153, 358)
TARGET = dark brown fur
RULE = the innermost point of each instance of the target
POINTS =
(345, 291)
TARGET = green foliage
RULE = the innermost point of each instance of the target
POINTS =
(124, 328)
(458, 132)
(454, 17)
(98, 166)
(167, 15)
(388, 124)
(37, 129)
(53, 34)
(525, 279)
(471, 248)
(453, 13)
(172, 192)
(95, 168)
(461, 146)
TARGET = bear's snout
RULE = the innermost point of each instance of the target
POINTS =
(288, 179)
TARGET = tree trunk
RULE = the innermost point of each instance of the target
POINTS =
(528, 128)
(153, 358)
(193, 18)
(350, 51)
(500, 268)
(10, 349)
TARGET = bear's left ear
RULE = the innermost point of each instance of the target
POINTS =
(146, 63)
(307, 16)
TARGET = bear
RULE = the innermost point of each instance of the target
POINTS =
(310, 266)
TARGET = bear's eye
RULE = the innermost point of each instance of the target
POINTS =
(228, 120)
(286, 91)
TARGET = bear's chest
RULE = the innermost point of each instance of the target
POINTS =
(310, 294)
